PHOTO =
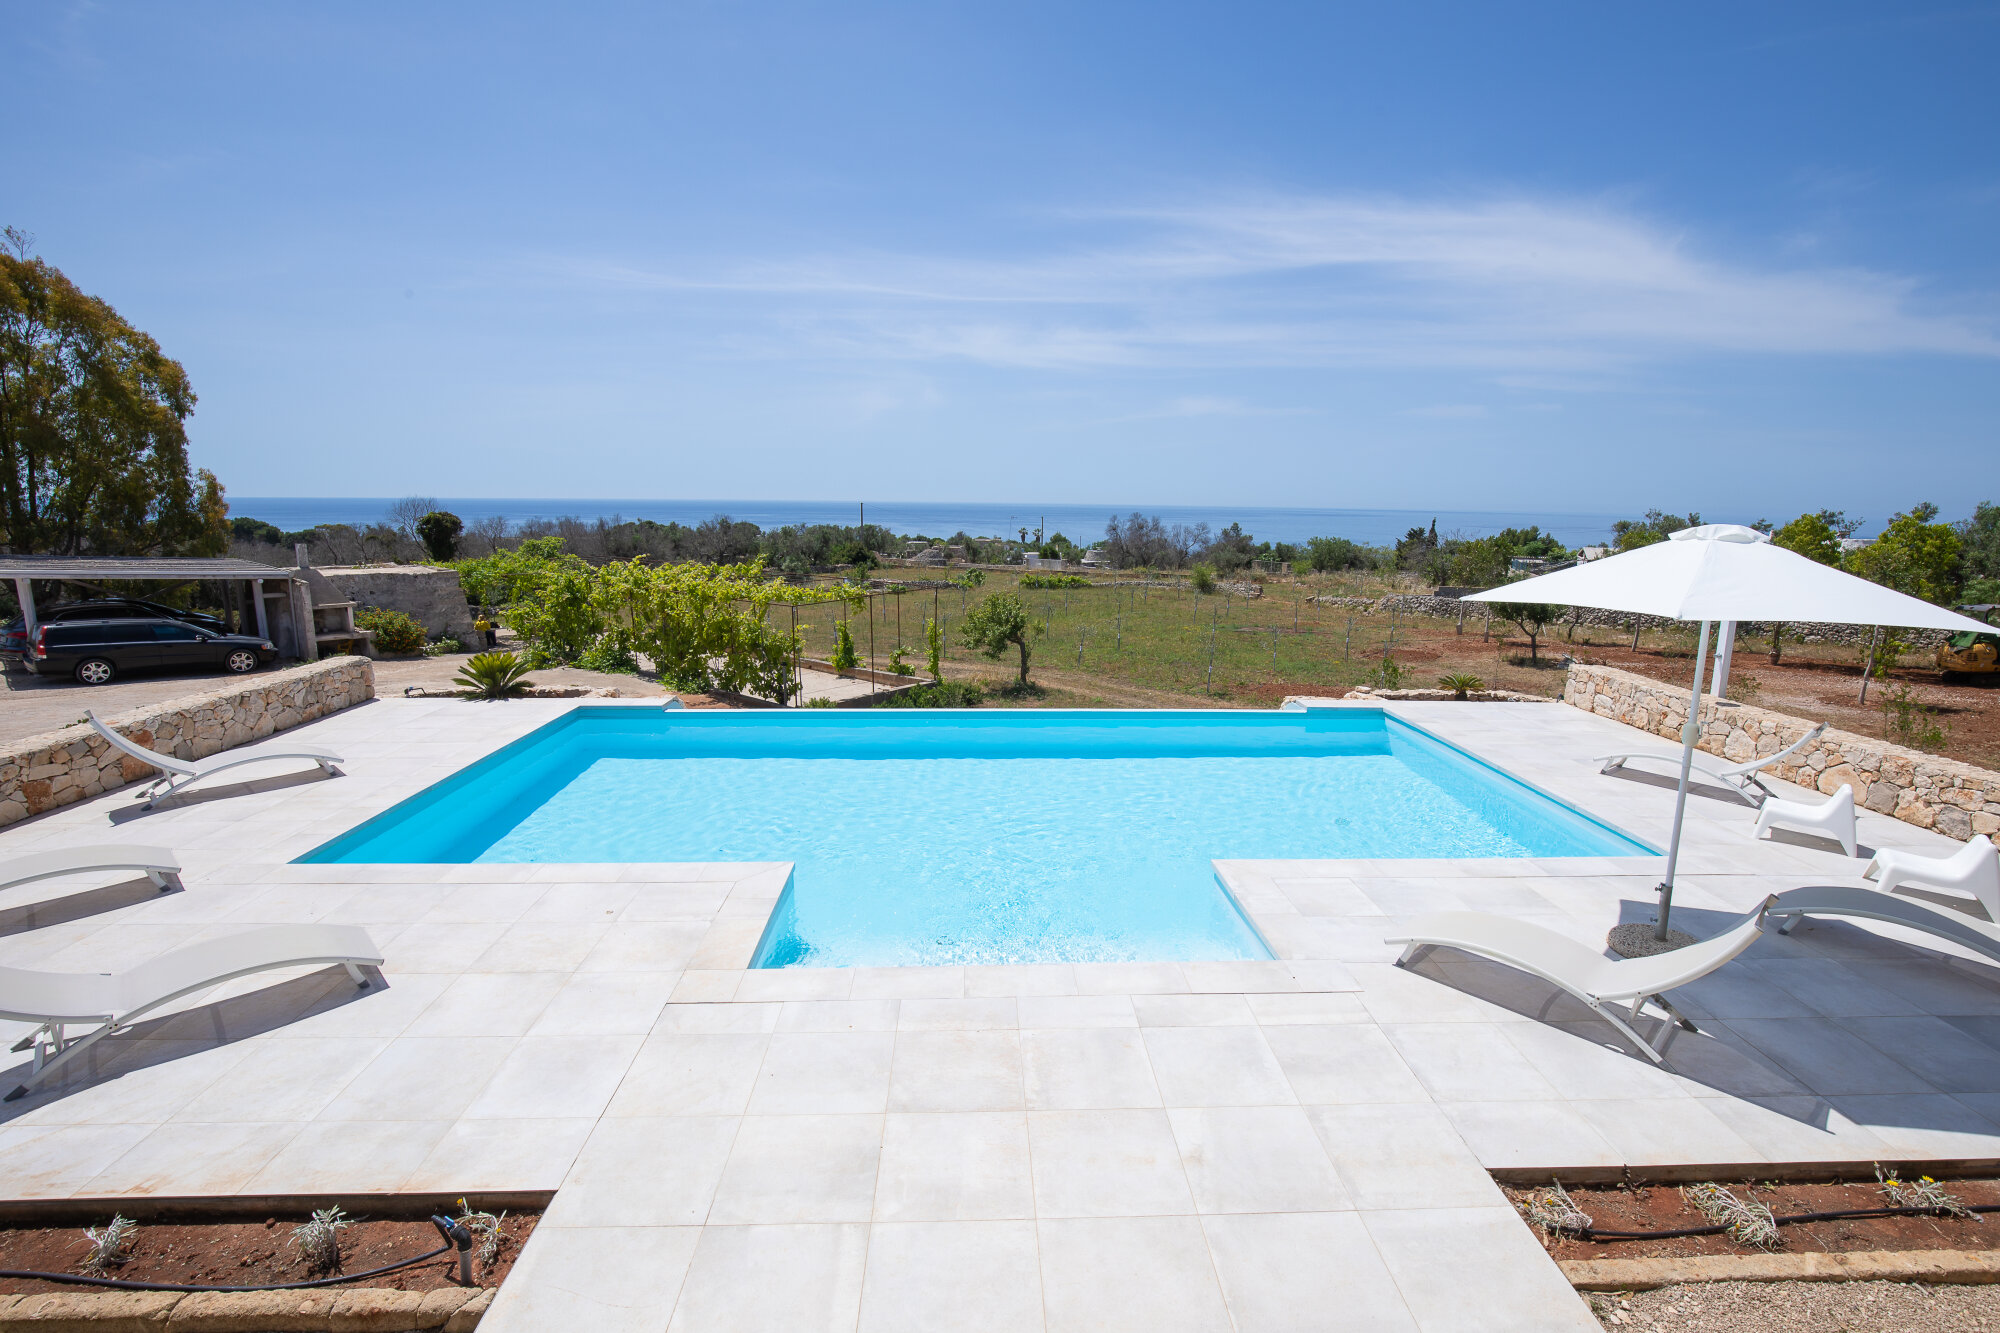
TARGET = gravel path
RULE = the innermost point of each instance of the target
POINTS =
(1802, 1307)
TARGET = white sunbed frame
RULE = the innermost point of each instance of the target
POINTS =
(161, 866)
(1582, 971)
(1837, 900)
(113, 1001)
(180, 773)
(1740, 778)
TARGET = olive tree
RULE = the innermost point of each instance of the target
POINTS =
(997, 623)
(1534, 618)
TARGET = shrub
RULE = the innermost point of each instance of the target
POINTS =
(1460, 683)
(946, 694)
(897, 666)
(443, 647)
(494, 676)
(821, 703)
(394, 632)
(609, 654)
(845, 656)
(1389, 674)
(934, 649)
(1202, 577)
(1047, 582)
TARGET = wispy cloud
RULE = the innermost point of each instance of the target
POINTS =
(1504, 285)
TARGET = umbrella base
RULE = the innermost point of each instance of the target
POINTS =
(1635, 939)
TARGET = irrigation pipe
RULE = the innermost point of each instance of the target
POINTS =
(1838, 1214)
(455, 1236)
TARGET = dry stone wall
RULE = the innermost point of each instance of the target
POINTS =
(1927, 790)
(57, 768)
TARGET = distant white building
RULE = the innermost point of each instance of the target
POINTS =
(1094, 558)
(1855, 543)
(1590, 553)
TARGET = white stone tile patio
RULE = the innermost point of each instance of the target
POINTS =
(1299, 1143)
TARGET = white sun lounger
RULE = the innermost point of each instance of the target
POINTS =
(113, 1001)
(181, 773)
(1973, 869)
(1598, 981)
(1833, 817)
(161, 866)
(1835, 900)
(1741, 778)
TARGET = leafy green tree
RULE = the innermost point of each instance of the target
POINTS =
(1534, 618)
(1815, 536)
(439, 531)
(1979, 537)
(1629, 534)
(1915, 555)
(998, 622)
(93, 439)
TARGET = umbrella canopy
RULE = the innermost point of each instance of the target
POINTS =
(1726, 572)
(1722, 572)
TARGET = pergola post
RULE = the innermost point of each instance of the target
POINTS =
(24, 592)
(257, 599)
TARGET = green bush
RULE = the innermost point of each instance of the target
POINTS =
(394, 632)
(1461, 683)
(443, 647)
(1202, 577)
(609, 654)
(897, 666)
(1047, 582)
(947, 694)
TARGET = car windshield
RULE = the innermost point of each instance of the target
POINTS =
(1971, 638)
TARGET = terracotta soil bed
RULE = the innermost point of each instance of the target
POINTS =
(1643, 1207)
(224, 1252)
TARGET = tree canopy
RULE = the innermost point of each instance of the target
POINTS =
(998, 622)
(93, 444)
(1816, 536)
(1915, 555)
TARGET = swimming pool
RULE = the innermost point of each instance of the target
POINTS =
(1001, 836)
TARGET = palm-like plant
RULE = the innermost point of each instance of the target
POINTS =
(494, 676)
(1460, 684)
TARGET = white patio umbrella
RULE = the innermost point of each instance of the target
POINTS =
(1722, 572)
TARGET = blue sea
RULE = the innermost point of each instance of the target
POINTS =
(1374, 527)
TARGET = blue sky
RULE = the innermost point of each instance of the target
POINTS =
(1562, 257)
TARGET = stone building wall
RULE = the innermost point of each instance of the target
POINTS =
(426, 593)
(39, 773)
(1927, 790)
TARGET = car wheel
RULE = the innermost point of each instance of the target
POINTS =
(241, 660)
(95, 671)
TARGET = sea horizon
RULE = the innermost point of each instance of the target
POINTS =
(1083, 523)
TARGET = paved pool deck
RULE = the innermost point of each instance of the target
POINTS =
(1297, 1144)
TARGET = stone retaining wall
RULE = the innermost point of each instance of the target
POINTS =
(1931, 792)
(57, 768)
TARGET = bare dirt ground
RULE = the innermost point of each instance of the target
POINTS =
(255, 1253)
(1801, 1307)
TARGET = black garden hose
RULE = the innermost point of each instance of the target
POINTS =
(455, 1237)
(1595, 1233)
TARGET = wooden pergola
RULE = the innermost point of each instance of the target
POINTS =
(96, 571)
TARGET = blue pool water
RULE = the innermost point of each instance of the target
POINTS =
(980, 837)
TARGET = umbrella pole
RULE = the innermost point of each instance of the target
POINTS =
(1690, 733)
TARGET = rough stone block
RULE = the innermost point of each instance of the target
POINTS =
(95, 1312)
(468, 1315)
(253, 1312)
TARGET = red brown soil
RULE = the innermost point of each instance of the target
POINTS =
(230, 1253)
(1642, 1207)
